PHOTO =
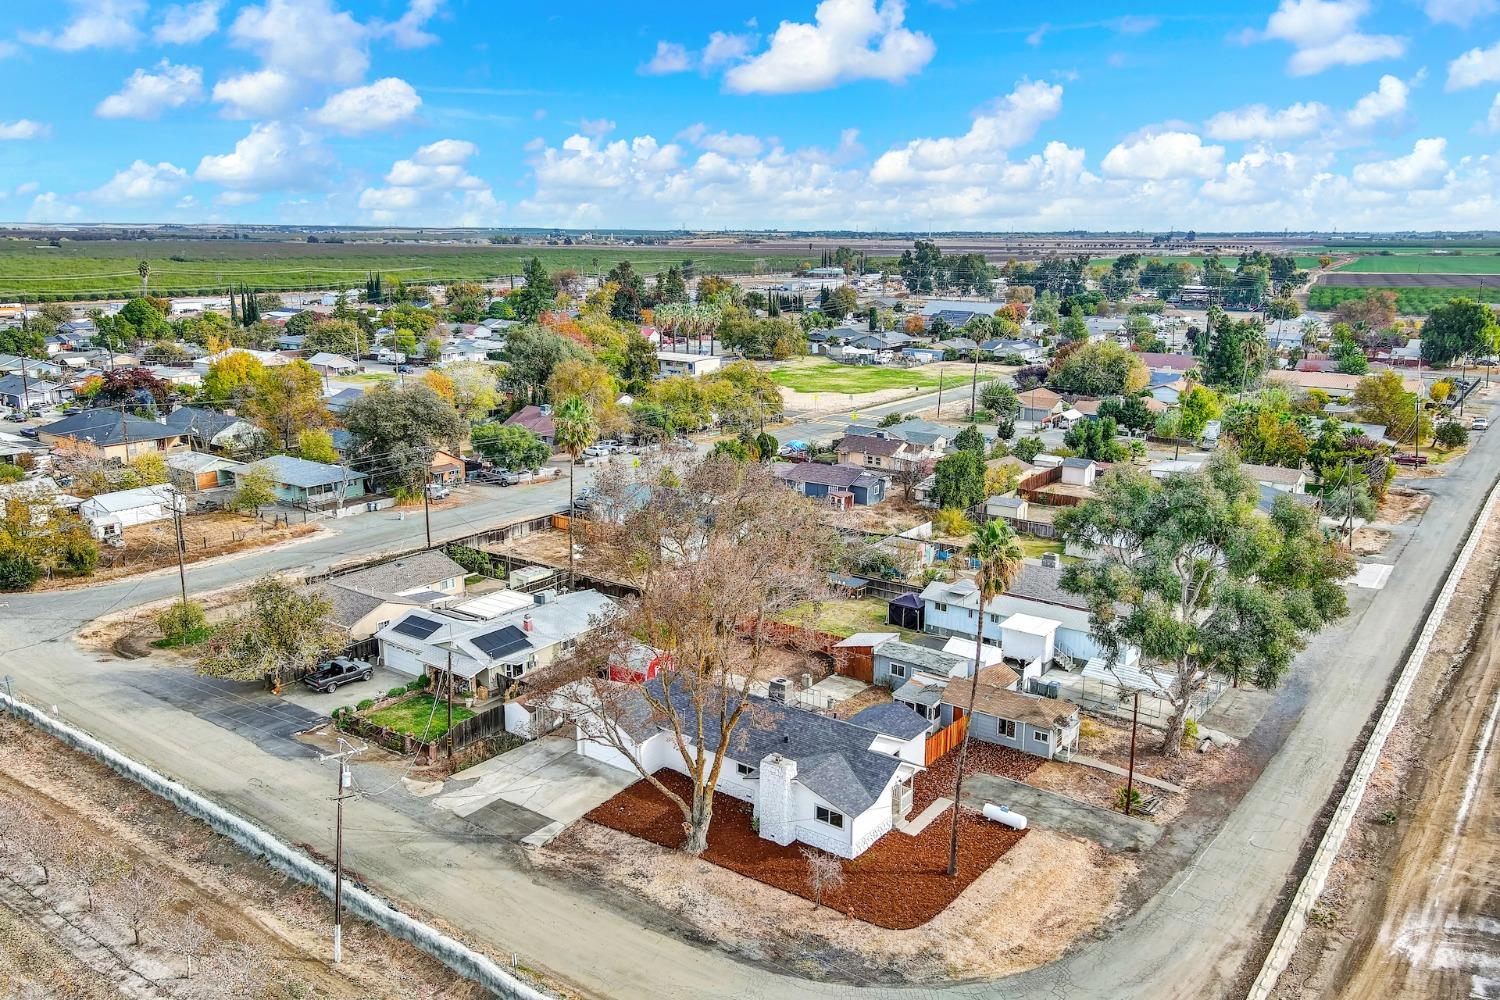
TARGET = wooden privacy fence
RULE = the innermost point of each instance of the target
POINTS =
(946, 739)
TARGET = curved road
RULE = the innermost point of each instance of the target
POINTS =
(1189, 940)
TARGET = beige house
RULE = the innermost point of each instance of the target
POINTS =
(888, 454)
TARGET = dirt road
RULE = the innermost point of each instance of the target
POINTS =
(1439, 926)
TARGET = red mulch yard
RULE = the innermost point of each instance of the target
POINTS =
(984, 758)
(901, 882)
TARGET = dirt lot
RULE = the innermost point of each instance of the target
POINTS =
(207, 536)
(893, 516)
(119, 860)
(1407, 902)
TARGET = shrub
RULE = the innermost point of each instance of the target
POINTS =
(951, 522)
(417, 684)
(1452, 434)
(407, 495)
(180, 621)
(1190, 732)
(11, 473)
(1133, 795)
(80, 555)
(18, 572)
(1028, 448)
(364, 705)
(472, 560)
(396, 692)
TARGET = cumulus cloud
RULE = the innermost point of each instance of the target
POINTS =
(21, 128)
(409, 31)
(670, 57)
(722, 142)
(141, 181)
(148, 94)
(273, 156)
(304, 39)
(255, 95)
(727, 47)
(381, 105)
(1258, 122)
(1261, 174)
(1423, 168)
(849, 40)
(433, 186)
(1459, 12)
(1387, 100)
(1475, 67)
(51, 207)
(188, 23)
(1005, 124)
(1164, 156)
(95, 24)
(1325, 33)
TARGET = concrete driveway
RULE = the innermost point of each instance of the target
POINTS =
(1051, 811)
(544, 776)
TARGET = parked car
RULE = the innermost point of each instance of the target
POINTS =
(584, 500)
(437, 491)
(680, 444)
(17, 416)
(609, 445)
(596, 451)
(339, 670)
(28, 432)
(405, 369)
(515, 477)
(1480, 424)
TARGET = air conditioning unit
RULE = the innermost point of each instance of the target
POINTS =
(777, 692)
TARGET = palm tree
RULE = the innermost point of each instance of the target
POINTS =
(574, 429)
(144, 270)
(999, 555)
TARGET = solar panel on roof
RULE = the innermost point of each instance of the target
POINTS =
(417, 627)
(502, 642)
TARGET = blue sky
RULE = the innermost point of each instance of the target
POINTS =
(861, 114)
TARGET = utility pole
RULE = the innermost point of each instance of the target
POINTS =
(974, 385)
(181, 544)
(427, 513)
(940, 396)
(349, 750)
(1135, 719)
(450, 705)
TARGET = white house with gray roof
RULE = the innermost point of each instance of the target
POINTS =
(835, 785)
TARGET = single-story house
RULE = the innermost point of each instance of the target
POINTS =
(22, 393)
(1028, 351)
(309, 484)
(110, 434)
(194, 471)
(1039, 404)
(835, 482)
(537, 419)
(325, 363)
(109, 514)
(681, 363)
(1158, 361)
(897, 661)
(214, 430)
(835, 785)
(267, 358)
(367, 600)
(1276, 477)
(447, 469)
(923, 355)
(1043, 727)
(338, 403)
(927, 433)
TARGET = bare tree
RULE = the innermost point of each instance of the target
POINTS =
(719, 553)
(138, 900)
(824, 872)
(37, 839)
(190, 939)
(87, 868)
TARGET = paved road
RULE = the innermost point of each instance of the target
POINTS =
(1188, 940)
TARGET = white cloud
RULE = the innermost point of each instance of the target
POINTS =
(1005, 124)
(380, 105)
(22, 128)
(188, 23)
(1258, 176)
(272, 156)
(409, 31)
(670, 57)
(1492, 122)
(95, 24)
(1325, 33)
(231, 198)
(50, 207)
(30, 187)
(722, 142)
(724, 48)
(1258, 122)
(1164, 156)
(1423, 168)
(1475, 67)
(142, 181)
(433, 187)
(147, 95)
(851, 40)
(304, 39)
(1459, 12)
(255, 95)
(1387, 100)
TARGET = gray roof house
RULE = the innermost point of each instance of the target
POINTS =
(216, 430)
(818, 481)
(303, 483)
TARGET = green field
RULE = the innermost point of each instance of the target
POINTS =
(1468, 262)
(1103, 263)
(825, 376)
(1414, 301)
(92, 269)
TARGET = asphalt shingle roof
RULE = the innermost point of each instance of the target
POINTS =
(104, 427)
(843, 476)
(891, 719)
(300, 472)
(407, 573)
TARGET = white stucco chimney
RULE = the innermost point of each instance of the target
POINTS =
(775, 802)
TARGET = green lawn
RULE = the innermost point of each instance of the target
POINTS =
(845, 618)
(1411, 301)
(83, 269)
(1468, 262)
(411, 717)
(825, 376)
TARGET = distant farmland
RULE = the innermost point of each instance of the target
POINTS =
(1468, 262)
(1412, 300)
(32, 271)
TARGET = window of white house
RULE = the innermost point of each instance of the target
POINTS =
(514, 670)
(745, 770)
(834, 819)
(941, 606)
(1040, 737)
(898, 670)
(1006, 728)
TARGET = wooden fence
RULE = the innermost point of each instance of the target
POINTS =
(946, 739)
(486, 725)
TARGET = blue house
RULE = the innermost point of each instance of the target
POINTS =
(307, 484)
(833, 482)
